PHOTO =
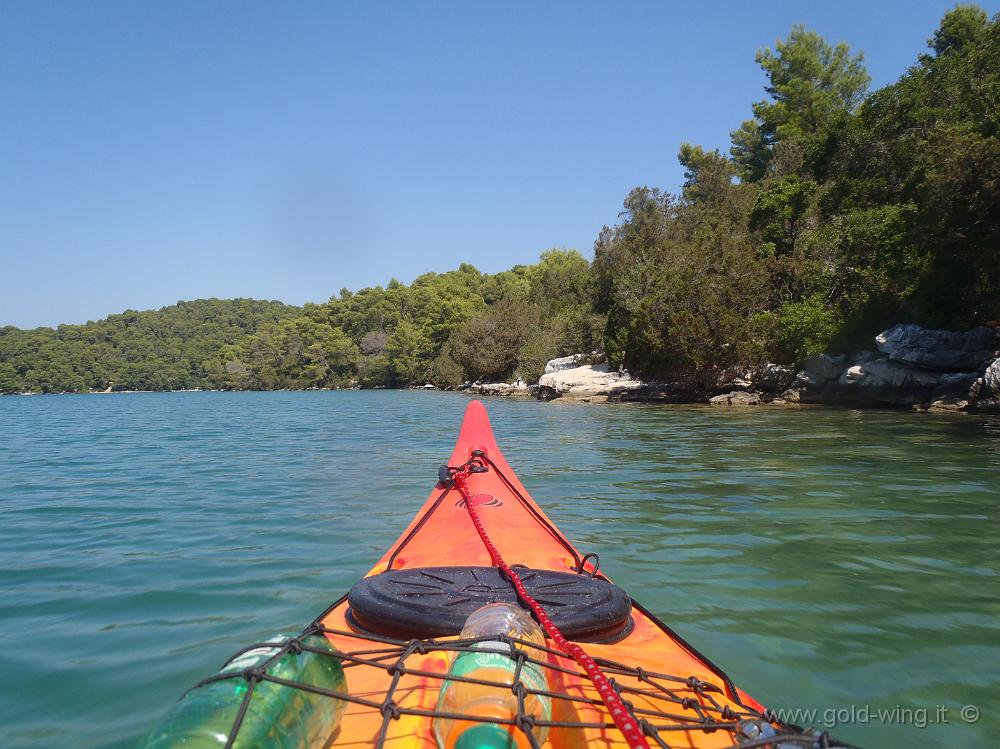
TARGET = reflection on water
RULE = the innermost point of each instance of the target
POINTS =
(827, 559)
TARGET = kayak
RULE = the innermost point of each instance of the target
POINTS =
(610, 673)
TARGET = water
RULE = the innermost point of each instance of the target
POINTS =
(828, 559)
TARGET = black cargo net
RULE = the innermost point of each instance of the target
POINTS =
(671, 709)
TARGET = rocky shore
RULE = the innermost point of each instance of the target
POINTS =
(926, 370)
(911, 367)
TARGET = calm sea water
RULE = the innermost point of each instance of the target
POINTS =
(839, 560)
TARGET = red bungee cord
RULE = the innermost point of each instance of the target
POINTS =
(622, 717)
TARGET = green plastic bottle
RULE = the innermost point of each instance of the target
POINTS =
(277, 717)
(492, 661)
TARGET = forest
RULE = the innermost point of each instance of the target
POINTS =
(836, 212)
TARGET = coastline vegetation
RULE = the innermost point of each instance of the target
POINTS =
(836, 213)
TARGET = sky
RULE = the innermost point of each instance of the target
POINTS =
(153, 152)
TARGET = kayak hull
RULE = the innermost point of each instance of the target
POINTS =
(442, 535)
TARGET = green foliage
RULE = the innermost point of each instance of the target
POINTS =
(560, 279)
(914, 178)
(445, 372)
(779, 212)
(488, 346)
(802, 329)
(707, 174)
(682, 279)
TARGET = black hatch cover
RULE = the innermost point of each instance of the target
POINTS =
(435, 601)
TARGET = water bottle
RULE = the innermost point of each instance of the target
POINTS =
(493, 660)
(277, 716)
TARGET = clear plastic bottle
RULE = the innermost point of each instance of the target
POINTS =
(493, 660)
(277, 716)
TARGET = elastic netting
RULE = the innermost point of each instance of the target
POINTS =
(672, 710)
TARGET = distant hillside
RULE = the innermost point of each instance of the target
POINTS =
(165, 349)
(444, 327)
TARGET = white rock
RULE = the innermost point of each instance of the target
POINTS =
(586, 381)
(852, 375)
(564, 362)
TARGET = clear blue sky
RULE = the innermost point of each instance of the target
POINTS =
(151, 152)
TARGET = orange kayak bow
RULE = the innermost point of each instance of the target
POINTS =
(397, 630)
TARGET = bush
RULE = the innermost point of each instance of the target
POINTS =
(804, 328)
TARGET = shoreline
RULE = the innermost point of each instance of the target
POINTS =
(594, 400)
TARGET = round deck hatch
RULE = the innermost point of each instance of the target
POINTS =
(435, 601)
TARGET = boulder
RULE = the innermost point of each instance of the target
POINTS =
(938, 349)
(984, 394)
(725, 379)
(852, 375)
(819, 370)
(897, 375)
(586, 382)
(737, 398)
(792, 395)
(815, 380)
(887, 382)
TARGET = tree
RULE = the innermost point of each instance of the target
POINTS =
(964, 25)
(810, 83)
(488, 346)
(707, 174)
(409, 352)
(912, 207)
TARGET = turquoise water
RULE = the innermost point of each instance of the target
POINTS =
(837, 560)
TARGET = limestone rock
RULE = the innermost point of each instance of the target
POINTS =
(984, 394)
(938, 349)
(502, 389)
(736, 398)
(948, 404)
(584, 382)
(568, 362)
(818, 370)
(888, 382)
(792, 395)
(766, 378)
